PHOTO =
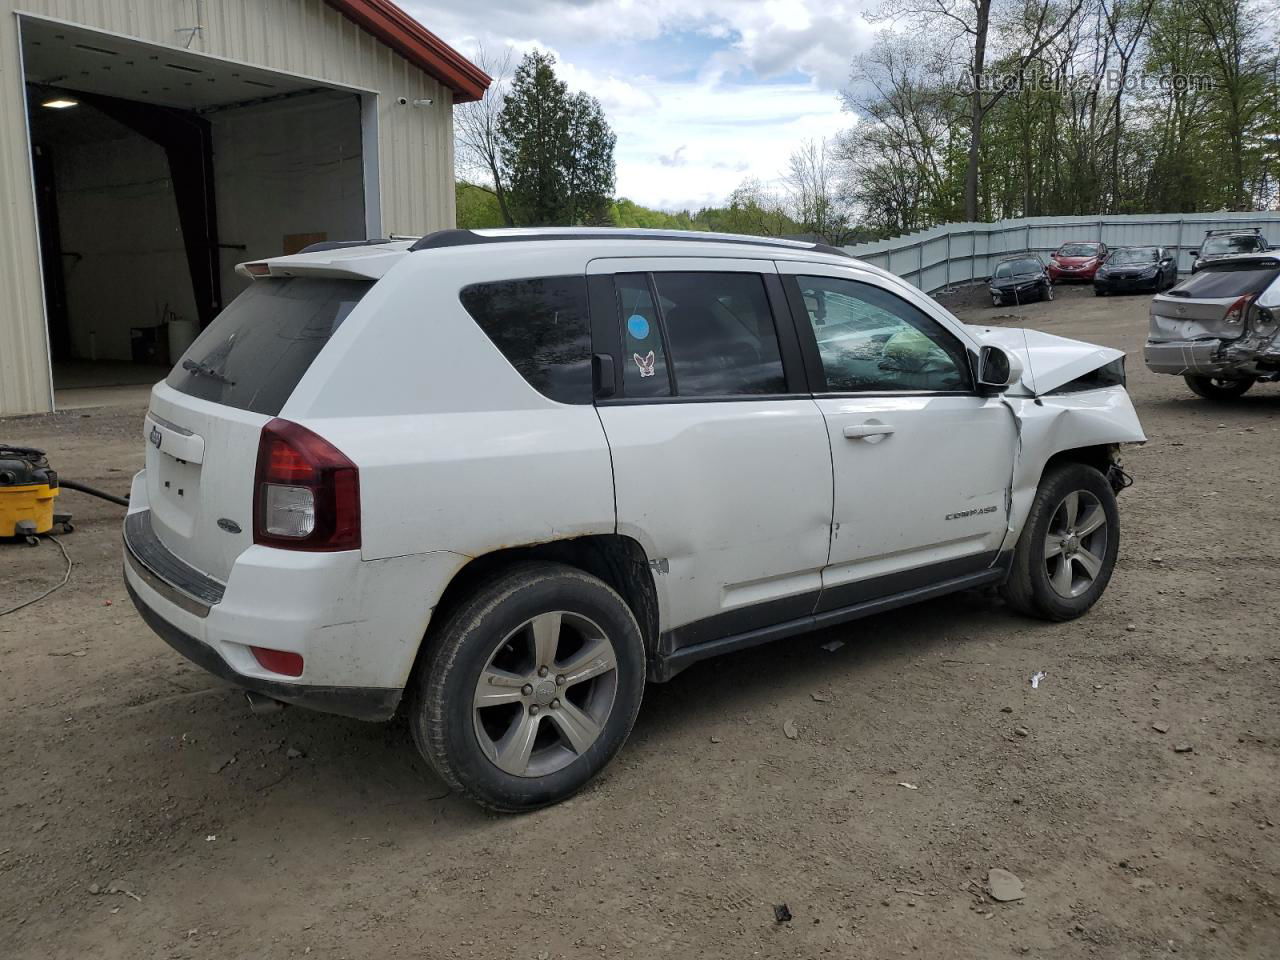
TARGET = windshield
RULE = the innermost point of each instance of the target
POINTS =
(1134, 255)
(1017, 268)
(1215, 246)
(256, 350)
(1078, 250)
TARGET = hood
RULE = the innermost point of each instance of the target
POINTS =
(1048, 362)
(1074, 261)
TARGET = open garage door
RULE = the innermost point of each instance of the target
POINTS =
(156, 172)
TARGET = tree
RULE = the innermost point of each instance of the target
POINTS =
(812, 184)
(1238, 59)
(479, 142)
(556, 148)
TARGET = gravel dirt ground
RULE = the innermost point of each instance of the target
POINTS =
(923, 759)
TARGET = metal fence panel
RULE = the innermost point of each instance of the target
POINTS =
(959, 253)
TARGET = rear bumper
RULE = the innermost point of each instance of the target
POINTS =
(1178, 357)
(363, 703)
(357, 624)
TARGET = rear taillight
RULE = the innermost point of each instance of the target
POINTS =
(306, 494)
(1235, 313)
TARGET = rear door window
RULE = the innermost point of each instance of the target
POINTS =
(1226, 280)
(256, 351)
(720, 334)
(542, 326)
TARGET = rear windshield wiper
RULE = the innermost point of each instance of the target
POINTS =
(204, 370)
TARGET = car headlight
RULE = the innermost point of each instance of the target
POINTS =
(1197, 265)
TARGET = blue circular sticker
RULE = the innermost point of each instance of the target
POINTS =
(638, 326)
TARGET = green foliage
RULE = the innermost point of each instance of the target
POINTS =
(477, 207)
(1073, 144)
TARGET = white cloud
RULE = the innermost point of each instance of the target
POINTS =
(701, 93)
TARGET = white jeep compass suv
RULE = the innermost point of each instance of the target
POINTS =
(500, 479)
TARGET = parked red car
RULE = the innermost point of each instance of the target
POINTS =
(1076, 261)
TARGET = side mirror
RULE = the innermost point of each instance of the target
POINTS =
(998, 370)
(1194, 253)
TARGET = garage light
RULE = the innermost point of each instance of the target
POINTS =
(60, 103)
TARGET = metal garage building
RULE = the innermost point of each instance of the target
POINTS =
(147, 146)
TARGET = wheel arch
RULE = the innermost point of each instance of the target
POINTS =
(620, 561)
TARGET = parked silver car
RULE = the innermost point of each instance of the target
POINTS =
(1218, 328)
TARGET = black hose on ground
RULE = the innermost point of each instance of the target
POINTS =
(85, 488)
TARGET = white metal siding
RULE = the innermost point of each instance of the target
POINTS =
(303, 37)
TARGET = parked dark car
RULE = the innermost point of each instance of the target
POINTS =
(1076, 261)
(1228, 243)
(1136, 268)
(1019, 280)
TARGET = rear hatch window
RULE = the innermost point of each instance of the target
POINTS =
(1227, 280)
(253, 355)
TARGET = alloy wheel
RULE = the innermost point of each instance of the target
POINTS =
(543, 698)
(1075, 544)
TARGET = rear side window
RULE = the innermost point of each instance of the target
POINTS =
(720, 334)
(542, 326)
(253, 355)
(1226, 280)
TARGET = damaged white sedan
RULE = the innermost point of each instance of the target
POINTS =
(499, 480)
(1218, 328)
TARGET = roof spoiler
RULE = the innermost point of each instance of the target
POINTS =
(343, 244)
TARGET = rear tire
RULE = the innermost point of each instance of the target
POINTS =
(1217, 389)
(1067, 550)
(530, 687)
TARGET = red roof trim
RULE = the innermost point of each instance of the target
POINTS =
(418, 45)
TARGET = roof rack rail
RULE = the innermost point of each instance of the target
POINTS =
(1256, 231)
(461, 238)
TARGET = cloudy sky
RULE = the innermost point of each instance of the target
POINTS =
(701, 93)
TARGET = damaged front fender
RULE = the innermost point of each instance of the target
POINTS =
(1060, 422)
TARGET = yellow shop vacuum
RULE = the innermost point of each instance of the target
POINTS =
(28, 491)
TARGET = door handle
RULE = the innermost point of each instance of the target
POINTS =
(862, 431)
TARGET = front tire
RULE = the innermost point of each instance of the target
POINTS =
(1218, 389)
(530, 687)
(1099, 292)
(997, 301)
(1067, 550)
(1048, 291)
